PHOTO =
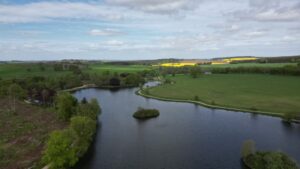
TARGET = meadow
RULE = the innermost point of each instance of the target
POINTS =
(22, 70)
(269, 93)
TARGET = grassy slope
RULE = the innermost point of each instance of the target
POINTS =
(269, 93)
(24, 133)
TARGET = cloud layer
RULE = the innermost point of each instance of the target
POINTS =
(135, 29)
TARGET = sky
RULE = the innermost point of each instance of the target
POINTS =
(147, 29)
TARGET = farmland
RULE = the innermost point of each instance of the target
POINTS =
(99, 68)
(270, 93)
(273, 65)
(21, 70)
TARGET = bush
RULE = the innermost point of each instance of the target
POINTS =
(196, 98)
(60, 152)
(90, 109)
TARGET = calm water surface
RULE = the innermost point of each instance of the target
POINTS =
(184, 136)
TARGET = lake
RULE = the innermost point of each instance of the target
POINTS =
(184, 136)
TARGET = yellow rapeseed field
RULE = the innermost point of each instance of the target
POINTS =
(229, 60)
(239, 59)
(178, 64)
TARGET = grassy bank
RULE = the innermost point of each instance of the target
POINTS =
(267, 93)
(24, 134)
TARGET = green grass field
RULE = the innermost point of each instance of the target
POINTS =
(22, 70)
(99, 68)
(270, 93)
(249, 65)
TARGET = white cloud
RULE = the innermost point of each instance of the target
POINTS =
(270, 11)
(105, 32)
(157, 6)
(47, 11)
(255, 34)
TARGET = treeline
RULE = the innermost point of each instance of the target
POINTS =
(143, 62)
(65, 147)
(108, 79)
(42, 90)
(174, 70)
(286, 70)
(282, 59)
(39, 89)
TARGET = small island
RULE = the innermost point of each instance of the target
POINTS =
(142, 113)
(257, 160)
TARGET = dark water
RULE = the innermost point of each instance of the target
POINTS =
(184, 136)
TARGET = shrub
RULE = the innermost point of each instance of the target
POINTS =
(196, 98)
(90, 109)
(288, 117)
(168, 81)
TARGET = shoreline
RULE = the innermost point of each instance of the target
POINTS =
(88, 86)
(273, 114)
(140, 93)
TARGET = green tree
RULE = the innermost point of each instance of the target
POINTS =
(60, 152)
(84, 128)
(95, 106)
(66, 105)
(195, 71)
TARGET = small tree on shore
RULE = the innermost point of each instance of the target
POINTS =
(248, 148)
(66, 105)
(15, 92)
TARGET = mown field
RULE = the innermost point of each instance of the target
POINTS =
(270, 93)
